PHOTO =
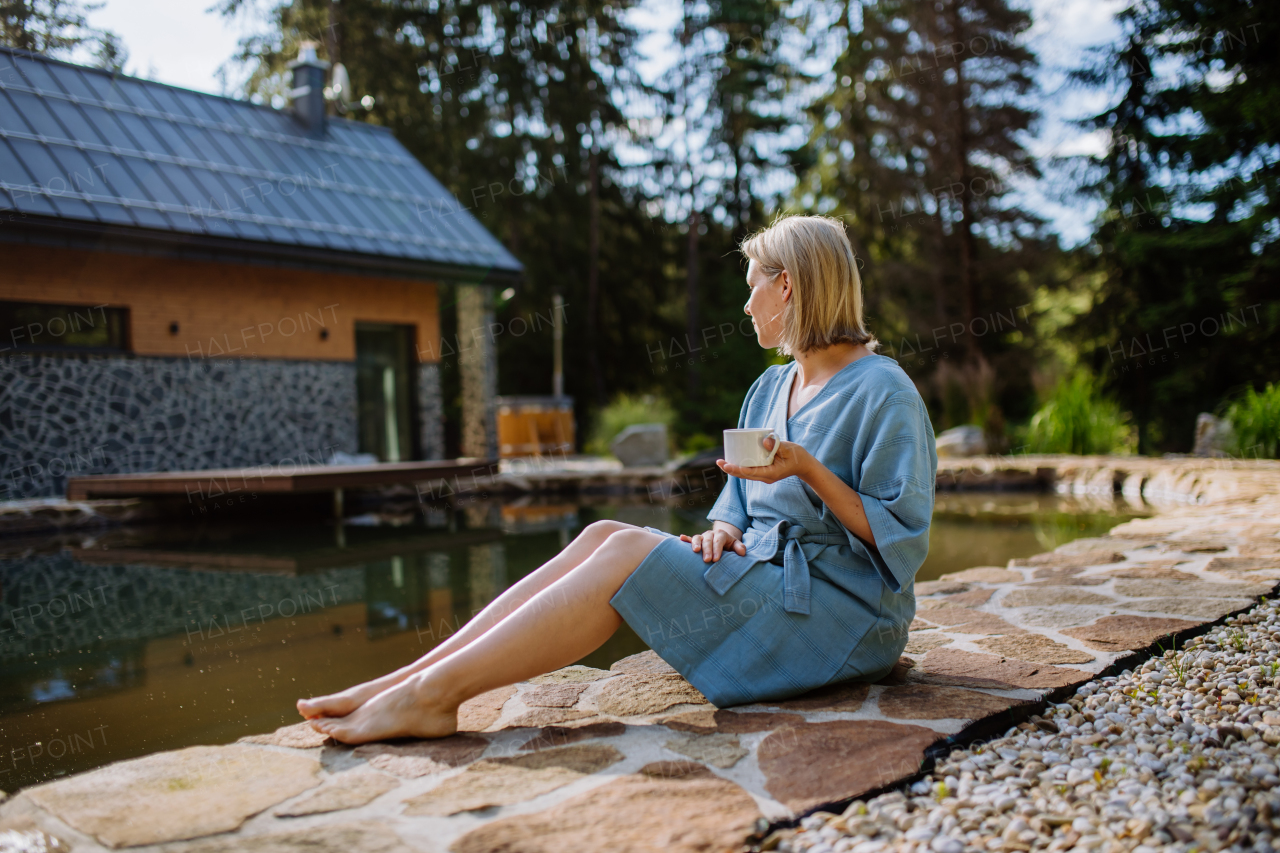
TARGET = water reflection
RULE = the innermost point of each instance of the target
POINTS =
(157, 638)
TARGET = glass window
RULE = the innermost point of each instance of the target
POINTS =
(41, 326)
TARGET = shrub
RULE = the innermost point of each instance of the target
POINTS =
(1256, 420)
(627, 410)
(1079, 418)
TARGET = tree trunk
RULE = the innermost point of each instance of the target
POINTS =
(593, 282)
(691, 296)
(968, 280)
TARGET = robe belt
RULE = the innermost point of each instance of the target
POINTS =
(790, 539)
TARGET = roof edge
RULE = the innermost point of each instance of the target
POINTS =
(115, 239)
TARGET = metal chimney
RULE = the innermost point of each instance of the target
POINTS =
(307, 94)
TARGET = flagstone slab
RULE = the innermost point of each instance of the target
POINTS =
(576, 674)
(718, 750)
(356, 837)
(418, 758)
(1156, 588)
(348, 790)
(968, 621)
(936, 702)
(296, 736)
(478, 714)
(502, 781)
(554, 736)
(538, 717)
(554, 695)
(1053, 596)
(984, 574)
(972, 669)
(646, 693)
(1072, 560)
(1124, 632)
(1206, 609)
(662, 809)
(171, 796)
(1035, 648)
(918, 643)
(846, 696)
(1152, 572)
(817, 763)
(732, 722)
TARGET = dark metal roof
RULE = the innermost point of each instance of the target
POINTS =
(115, 158)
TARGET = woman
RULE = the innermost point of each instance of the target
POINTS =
(806, 576)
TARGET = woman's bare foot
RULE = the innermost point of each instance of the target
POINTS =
(409, 709)
(344, 702)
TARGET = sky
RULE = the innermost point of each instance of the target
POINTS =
(183, 43)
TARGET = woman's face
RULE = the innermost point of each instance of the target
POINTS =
(768, 298)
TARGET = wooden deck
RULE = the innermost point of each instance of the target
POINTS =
(308, 479)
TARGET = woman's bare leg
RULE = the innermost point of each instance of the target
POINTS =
(568, 619)
(574, 554)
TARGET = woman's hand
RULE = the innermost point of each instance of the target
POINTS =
(791, 460)
(712, 543)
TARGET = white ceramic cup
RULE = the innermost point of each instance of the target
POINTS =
(745, 447)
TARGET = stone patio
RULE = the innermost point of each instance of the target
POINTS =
(635, 759)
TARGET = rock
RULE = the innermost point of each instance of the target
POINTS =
(553, 695)
(972, 598)
(554, 736)
(424, 757)
(966, 621)
(172, 796)
(984, 574)
(348, 790)
(1035, 648)
(845, 696)
(1207, 609)
(481, 712)
(817, 763)
(1180, 589)
(900, 671)
(576, 674)
(1061, 617)
(1122, 632)
(971, 669)
(1073, 560)
(965, 440)
(1241, 564)
(718, 750)
(644, 663)
(1053, 596)
(932, 702)
(939, 588)
(1151, 572)
(296, 736)
(502, 781)
(732, 722)
(363, 836)
(637, 695)
(1214, 436)
(641, 445)
(677, 807)
(919, 643)
(539, 717)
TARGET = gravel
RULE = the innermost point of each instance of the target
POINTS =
(1179, 755)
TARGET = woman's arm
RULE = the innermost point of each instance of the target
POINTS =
(792, 460)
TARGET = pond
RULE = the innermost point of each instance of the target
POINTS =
(119, 643)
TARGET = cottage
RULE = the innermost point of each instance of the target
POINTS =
(190, 281)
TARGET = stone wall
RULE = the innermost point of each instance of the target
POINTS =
(64, 416)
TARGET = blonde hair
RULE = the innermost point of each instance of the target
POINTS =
(825, 307)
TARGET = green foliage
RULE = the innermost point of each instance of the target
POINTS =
(627, 410)
(1079, 418)
(1255, 418)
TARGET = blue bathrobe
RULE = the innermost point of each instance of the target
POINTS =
(810, 604)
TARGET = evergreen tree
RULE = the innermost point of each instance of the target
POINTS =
(1186, 247)
(915, 144)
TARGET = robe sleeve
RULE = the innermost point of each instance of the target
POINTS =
(896, 484)
(731, 505)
